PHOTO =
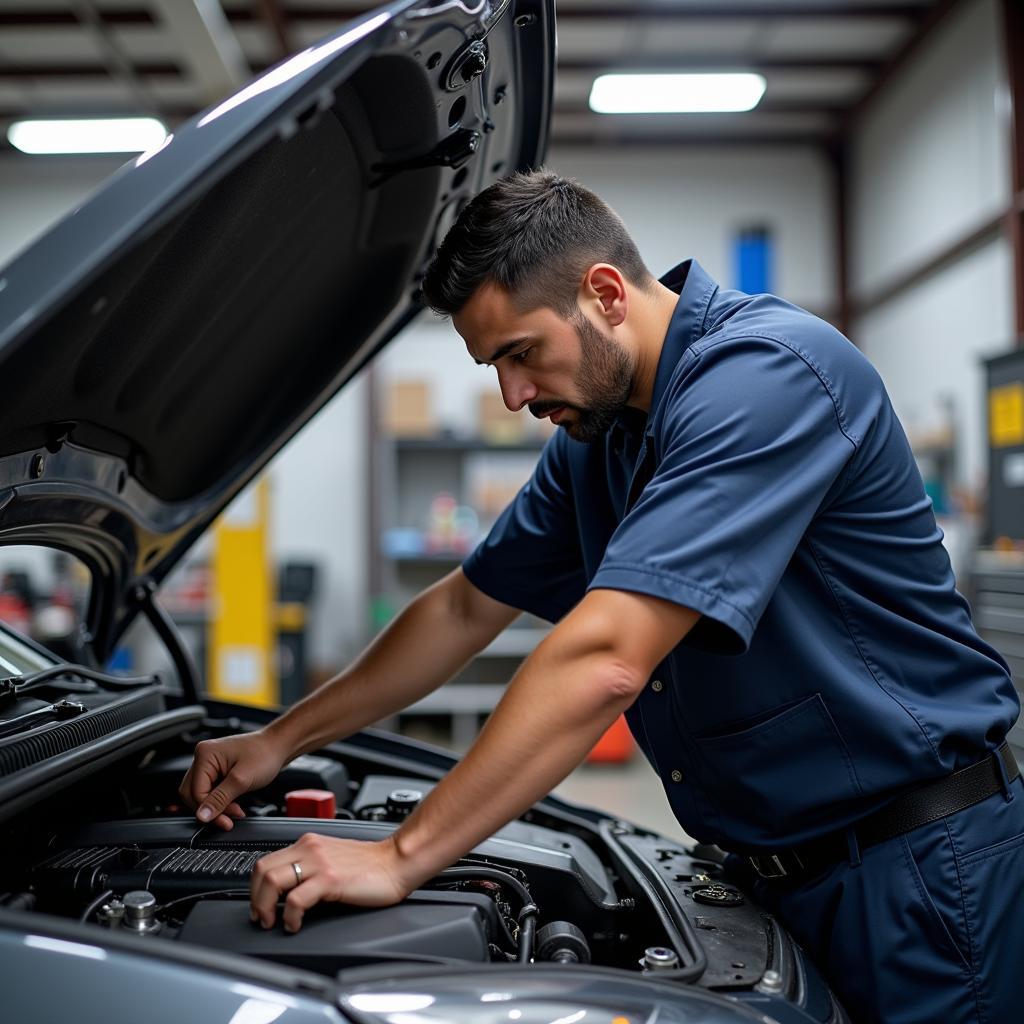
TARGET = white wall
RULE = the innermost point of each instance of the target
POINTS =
(929, 343)
(36, 192)
(931, 163)
(680, 203)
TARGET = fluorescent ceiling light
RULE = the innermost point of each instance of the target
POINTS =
(101, 135)
(676, 94)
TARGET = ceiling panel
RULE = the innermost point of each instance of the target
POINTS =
(69, 95)
(12, 96)
(690, 124)
(57, 45)
(820, 57)
(676, 36)
(146, 43)
(839, 37)
(259, 47)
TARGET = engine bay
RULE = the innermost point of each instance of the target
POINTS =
(118, 851)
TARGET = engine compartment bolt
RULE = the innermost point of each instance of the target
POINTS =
(112, 913)
(659, 958)
(770, 983)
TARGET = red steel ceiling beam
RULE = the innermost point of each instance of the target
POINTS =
(932, 17)
(1013, 23)
(274, 17)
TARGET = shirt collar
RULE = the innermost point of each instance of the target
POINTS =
(696, 289)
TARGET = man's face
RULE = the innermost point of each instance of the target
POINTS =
(566, 369)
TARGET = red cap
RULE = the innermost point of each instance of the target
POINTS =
(310, 803)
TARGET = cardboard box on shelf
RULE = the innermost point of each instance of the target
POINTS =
(407, 409)
(490, 482)
(498, 425)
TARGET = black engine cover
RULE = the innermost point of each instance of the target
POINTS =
(431, 927)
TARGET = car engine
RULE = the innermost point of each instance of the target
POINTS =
(530, 892)
(115, 850)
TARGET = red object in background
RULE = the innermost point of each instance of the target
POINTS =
(15, 612)
(616, 745)
(310, 803)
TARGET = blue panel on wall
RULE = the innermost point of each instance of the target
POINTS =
(753, 254)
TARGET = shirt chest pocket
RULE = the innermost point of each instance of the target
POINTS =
(782, 775)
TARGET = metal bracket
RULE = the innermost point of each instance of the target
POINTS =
(468, 64)
(452, 151)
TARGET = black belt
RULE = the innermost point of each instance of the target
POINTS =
(910, 810)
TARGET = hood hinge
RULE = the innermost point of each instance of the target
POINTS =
(452, 151)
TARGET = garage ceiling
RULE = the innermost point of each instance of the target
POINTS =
(823, 59)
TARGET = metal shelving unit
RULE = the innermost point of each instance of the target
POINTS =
(998, 599)
(406, 474)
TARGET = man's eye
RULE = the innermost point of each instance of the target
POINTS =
(520, 357)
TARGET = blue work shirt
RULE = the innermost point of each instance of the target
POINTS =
(772, 489)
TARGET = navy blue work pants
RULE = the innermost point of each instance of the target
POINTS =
(929, 927)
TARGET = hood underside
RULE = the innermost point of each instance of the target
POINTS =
(168, 337)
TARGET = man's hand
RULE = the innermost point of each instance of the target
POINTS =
(336, 870)
(224, 769)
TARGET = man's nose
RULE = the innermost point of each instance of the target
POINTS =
(516, 390)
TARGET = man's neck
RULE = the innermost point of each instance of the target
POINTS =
(654, 311)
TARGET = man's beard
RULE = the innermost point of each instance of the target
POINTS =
(604, 381)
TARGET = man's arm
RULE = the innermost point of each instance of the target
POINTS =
(422, 648)
(432, 638)
(588, 670)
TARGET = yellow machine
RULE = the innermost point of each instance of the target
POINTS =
(241, 639)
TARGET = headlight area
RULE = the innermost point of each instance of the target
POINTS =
(118, 852)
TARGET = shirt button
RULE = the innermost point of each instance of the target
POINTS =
(657, 686)
(677, 775)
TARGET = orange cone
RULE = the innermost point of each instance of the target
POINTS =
(616, 745)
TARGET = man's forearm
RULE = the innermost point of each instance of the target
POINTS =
(426, 644)
(588, 670)
(553, 712)
(573, 686)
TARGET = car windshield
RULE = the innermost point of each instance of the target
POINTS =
(43, 596)
(17, 658)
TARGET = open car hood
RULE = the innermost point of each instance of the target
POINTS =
(165, 340)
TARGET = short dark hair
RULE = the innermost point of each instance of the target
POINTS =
(534, 234)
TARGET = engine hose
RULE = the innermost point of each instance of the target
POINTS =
(492, 874)
(527, 932)
(95, 905)
(469, 874)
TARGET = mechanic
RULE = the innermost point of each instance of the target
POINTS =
(733, 538)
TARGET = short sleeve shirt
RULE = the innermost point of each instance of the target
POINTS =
(772, 490)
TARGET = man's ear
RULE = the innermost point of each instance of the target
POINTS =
(603, 289)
